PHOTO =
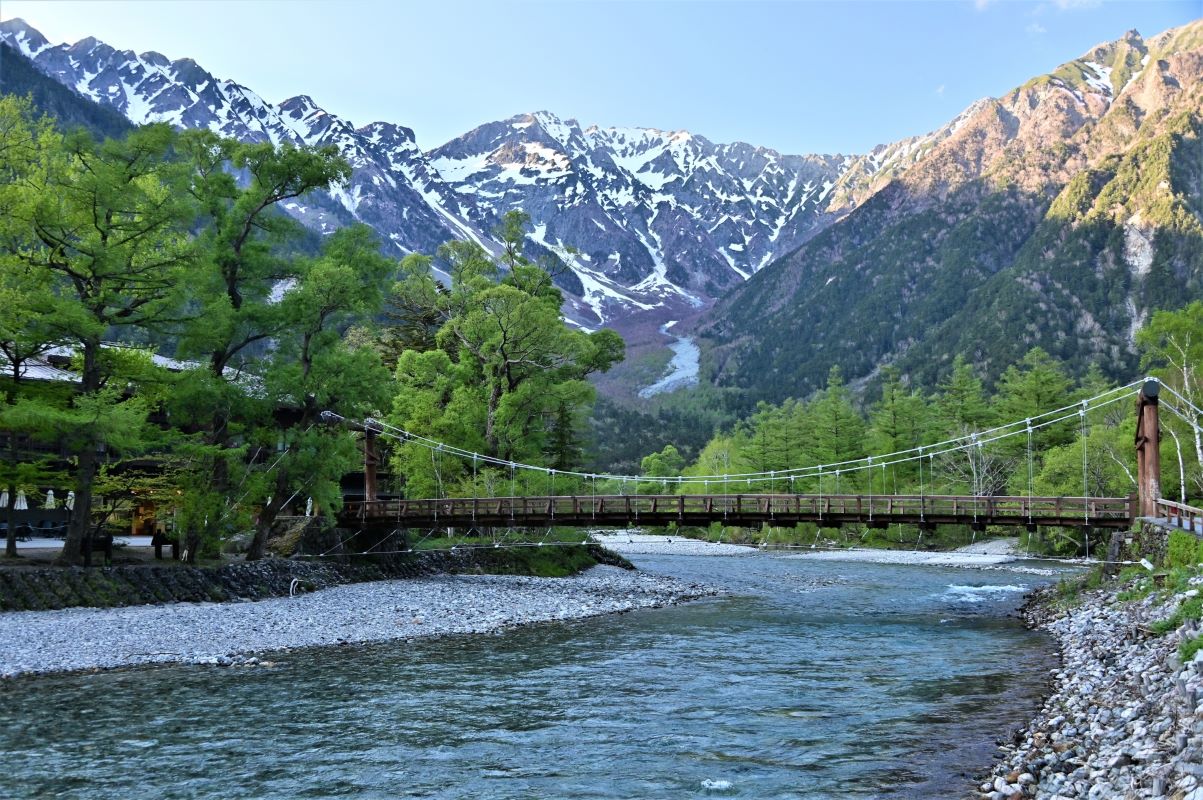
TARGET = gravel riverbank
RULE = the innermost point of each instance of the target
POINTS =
(75, 639)
(1125, 719)
(634, 543)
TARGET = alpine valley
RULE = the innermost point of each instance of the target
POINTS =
(1057, 215)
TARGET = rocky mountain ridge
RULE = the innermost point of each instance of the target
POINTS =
(647, 220)
(1060, 214)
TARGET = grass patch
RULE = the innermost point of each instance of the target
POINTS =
(556, 536)
(1191, 609)
(1185, 550)
(1069, 590)
(1187, 649)
(555, 553)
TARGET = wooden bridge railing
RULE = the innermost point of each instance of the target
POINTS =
(785, 509)
(1180, 515)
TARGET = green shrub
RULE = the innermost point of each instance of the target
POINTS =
(1185, 550)
(1189, 647)
(1191, 609)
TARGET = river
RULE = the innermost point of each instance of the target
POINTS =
(809, 680)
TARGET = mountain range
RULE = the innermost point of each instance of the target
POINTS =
(656, 220)
(1060, 214)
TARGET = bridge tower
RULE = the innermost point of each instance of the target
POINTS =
(371, 459)
(1148, 449)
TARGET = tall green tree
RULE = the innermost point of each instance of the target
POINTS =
(312, 369)
(249, 259)
(898, 421)
(961, 400)
(506, 373)
(838, 433)
(26, 331)
(107, 225)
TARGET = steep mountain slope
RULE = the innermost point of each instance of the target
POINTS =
(662, 212)
(18, 76)
(1059, 215)
(660, 222)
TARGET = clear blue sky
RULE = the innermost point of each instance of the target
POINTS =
(796, 76)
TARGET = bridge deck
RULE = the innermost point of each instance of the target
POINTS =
(739, 509)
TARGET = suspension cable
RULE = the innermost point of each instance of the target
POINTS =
(851, 465)
(969, 442)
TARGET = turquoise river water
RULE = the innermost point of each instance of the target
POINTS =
(808, 680)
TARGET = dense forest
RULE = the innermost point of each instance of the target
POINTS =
(119, 252)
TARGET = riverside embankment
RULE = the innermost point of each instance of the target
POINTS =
(28, 585)
(1125, 717)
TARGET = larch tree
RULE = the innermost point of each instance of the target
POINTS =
(898, 421)
(312, 369)
(246, 240)
(107, 224)
(26, 331)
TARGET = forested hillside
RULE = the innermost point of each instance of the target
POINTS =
(18, 76)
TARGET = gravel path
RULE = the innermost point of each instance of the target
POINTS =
(1125, 719)
(214, 633)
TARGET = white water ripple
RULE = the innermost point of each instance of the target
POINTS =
(977, 594)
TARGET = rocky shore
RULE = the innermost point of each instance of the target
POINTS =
(634, 542)
(1125, 717)
(74, 639)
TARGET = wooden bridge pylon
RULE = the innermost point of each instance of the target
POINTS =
(1148, 449)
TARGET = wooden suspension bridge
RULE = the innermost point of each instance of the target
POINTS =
(754, 510)
(747, 510)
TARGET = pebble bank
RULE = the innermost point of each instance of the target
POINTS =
(74, 639)
(1125, 718)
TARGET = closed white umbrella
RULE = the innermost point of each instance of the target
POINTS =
(4, 499)
(21, 504)
(69, 503)
(309, 507)
(50, 504)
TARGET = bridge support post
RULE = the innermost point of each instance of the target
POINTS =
(371, 459)
(1148, 449)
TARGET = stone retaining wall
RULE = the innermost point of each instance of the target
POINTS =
(41, 588)
(1147, 541)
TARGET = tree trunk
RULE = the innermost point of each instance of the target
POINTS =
(491, 420)
(267, 518)
(85, 473)
(10, 542)
(192, 540)
(1198, 450)
(1181, 466)
(81, 518)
